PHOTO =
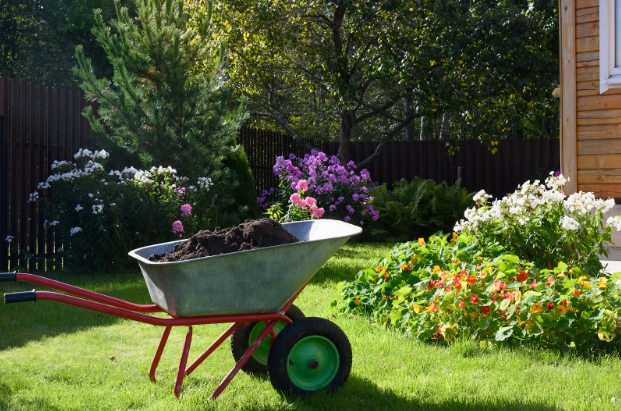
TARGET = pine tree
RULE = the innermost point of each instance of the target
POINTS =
(166, 101)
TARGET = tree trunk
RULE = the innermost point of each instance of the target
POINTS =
(445, 126)
(409, 129)
(424, 134)
(346, 126)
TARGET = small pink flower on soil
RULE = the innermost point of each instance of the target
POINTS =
(177, 228)
(186, 209)
(302, 185)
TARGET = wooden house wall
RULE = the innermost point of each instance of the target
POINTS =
(592, 139)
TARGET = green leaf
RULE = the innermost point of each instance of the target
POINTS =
(505, 304)
(564, 323)
(535, 329)
(597, 314)
(484, 324)
(395, 316)
(504, 333)
(403, 291)
(339, 286)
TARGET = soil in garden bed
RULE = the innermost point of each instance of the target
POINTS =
(248, 235)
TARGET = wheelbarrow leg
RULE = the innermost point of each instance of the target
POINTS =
(184, 361)
(243, 360)
(212, 348)
(158, 353)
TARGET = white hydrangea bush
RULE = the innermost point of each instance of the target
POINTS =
(98, 214)
(541, 224)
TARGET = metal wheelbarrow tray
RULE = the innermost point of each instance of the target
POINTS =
(253, 289)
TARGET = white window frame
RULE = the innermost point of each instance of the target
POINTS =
(609, 73)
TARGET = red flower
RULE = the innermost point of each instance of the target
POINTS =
(384, 296)
(564, 302)
(471, 279)
(501, 286)
(509, 296)
(457, 285)
(493, 298)
(474, 299)
(463, 272)
(534, 284)
(434, 308)
(550, 306)
(461, 304)
(485, 309)
(576, 293)
(448, 289)
(522, 276)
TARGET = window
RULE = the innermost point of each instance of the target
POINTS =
(609, 44)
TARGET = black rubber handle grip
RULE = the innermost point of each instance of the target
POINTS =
(26, 296)
(8, 277)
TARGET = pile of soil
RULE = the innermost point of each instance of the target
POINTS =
(248, 235)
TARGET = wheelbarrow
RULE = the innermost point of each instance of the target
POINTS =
(252, 289)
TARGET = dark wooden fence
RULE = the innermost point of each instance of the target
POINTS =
(41, 124)
(514, 162)
(38, 125)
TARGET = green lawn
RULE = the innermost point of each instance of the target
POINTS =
(56, 357)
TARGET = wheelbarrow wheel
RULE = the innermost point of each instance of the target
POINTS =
(310, 355)
(243, 337)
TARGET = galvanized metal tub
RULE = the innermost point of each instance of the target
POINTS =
(244, 282)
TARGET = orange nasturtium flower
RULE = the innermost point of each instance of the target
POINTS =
(602, 283)
(416, 308)
(357, 300)
(581, 279)
(536, 308)
(522, 276)
(421, 241)
(471, 279)
(432, 308)
(436, 268)
(562, 309)
(586, 283)
(454, 236)
(379, 268)
(561, 275)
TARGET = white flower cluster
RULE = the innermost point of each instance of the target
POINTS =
(53, 223)
(9, 238)
(97, 208)
(33, 196)
(75, 230)
(56, 164)
(162, 170)
(533, 199)
(204, 183)
(86, 153)
(79, 208)
(44, 184)
(615, 222)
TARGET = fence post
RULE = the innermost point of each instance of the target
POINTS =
(4, 207)
(459, 178)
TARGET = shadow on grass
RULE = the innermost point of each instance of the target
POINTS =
(350, 259)
(6, 403)
(361, 394)
(21, 323)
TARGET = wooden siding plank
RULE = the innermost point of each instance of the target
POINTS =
(602, 190)
(587, 73)
(608, 146)
(569, 74)
(591, 88)
(594, 117)
(587, 44)
(606, 176)
(587, 29)
(591, 57)
(601, 102)
(599, 132)
(583, 4)
(587, 15)
(599, 161)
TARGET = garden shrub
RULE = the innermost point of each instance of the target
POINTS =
(445, 289)
(417, 209)
(244, 192)
(98, 215)
(337, 189)
(540, 224)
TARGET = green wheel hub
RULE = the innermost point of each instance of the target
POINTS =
(262, 351)
(313, 362)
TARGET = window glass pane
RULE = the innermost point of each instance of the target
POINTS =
(617, 33)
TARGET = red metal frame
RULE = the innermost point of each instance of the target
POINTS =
(113, 306)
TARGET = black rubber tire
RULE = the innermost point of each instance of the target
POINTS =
(240, 342)
(277, 364)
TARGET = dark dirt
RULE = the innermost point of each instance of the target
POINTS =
(248, 235)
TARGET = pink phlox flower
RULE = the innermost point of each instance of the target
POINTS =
(181, 191)
(295, 198)
(310, 201)
(316, 211)
(177, 228)
(302, 185)
(186, 209)
(302, 204)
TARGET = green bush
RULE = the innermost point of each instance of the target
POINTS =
(244, 194)
(417, 209)
(98, 215)
(458, 289)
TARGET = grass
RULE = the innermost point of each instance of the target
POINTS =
(56, 357)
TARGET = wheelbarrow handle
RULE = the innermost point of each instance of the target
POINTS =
(8, 277)
(25, 296)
